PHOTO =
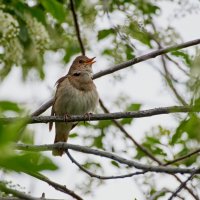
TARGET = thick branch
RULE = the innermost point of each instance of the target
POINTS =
(145, 57)
(123, 65)
(108, 116)
(87, 150)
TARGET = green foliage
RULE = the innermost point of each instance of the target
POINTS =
(104, 33)
(29, 30)
(184, 55)
(12, 160)
(57, 10)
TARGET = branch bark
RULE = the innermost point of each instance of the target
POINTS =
(107, 116)
(91, 174)
(59, 187)
(145, 57)
(87, 150)
(77, 27)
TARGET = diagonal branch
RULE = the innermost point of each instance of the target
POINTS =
(124, 65)
(140, 146)
(183, 184)
(102, 177)
(145, 57)
(77, 27)
(107, 116)
(16, 193)
(182, 158)
(101, 153)
(61, 188)
(122, 129)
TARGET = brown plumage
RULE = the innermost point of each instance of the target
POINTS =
(76, 94)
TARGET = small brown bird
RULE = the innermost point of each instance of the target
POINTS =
(76, 94)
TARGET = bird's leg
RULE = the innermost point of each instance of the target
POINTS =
(87, 115)
(66, 117)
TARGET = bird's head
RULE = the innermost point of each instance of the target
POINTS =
(81, 65)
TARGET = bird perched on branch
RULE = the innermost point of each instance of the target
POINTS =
(76, 94)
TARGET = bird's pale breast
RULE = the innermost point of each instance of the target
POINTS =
(73, 101)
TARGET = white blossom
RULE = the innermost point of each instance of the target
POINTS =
(38, 33)
(9, 27)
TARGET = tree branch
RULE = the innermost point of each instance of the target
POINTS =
(108, 116)
(182, 158)
(183, 184)
(128, 135)
(61, 188)
(141, 147)
(87, 150)
(16, 193)
(98, 176)
(77, 27)
(124, 65)
(145, 57)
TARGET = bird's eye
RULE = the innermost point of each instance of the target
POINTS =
(81, 61)
(77, 74)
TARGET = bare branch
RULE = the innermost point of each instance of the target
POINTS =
(98, 176)
(61, 188)
(16, 193)
(182, 158)
(128, 135)
(108, 116)
(43, 108)
(124, 65)
(151, 156)
(77, 27)
(183, 184)
(87, 150)
(164, 190)
(145, 57)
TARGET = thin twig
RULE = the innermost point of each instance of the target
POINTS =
(77, 27)
(101, 177)
(164, 190)
(101, 153)
(182, 158)
(128, 135)
(183, 184)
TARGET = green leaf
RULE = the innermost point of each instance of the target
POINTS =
(104, 124)
(8, 105)
(27, 162)
(185, 56)
(133, 107)
(73, 135)
(98, 141)
(114, 163)
(104, 33)
(56, 9)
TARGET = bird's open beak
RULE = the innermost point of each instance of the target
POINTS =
(91, 60)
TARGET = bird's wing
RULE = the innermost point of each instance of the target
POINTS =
(58, 82)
